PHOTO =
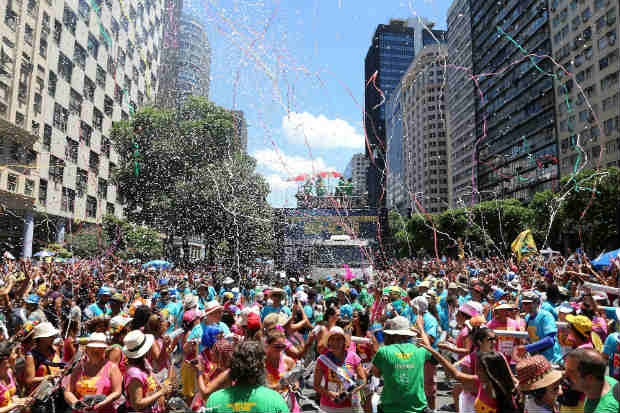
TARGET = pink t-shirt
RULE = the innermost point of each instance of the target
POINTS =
(149, 386)
(334, 384)
(505, 344)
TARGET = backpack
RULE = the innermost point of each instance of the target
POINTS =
(616, 392)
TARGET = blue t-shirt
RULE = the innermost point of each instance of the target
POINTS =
(542, 325)
(548, 307)
(94, 311)
(309, 312)
(431, 328)
(612, 349)
(271, 309)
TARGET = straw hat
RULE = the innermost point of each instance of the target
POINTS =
(137, 344)
(117, 323)
(212, 306)
(399, 326)
(97, 340)
(45, 330)
(536, 373)
(190, 301)
(336, 331)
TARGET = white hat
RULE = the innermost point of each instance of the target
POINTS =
(212, 306)
(336, 331)
(190, 301)
(137, 344)
(228, 280)
(235, 290)
(44, 330)
(399, 326)
(292, 279)
(117, 323)
(97, 340)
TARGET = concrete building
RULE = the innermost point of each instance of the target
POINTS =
(425, 141)
(391, 51)
(515, 118)
(356, 171)
(397, 197)
(584, 38)
(194, 58)
(167, 95)
(68, 70)
(460, 103)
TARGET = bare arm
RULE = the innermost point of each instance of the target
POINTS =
(138, 400)
(116, 381)
(466, 379)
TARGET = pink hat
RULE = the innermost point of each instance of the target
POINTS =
(192, 315)
(469, 309)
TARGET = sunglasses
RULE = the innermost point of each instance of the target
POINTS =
(278, 346)
(492, 339)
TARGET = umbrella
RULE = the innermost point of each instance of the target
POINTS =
(604, 260)
(159, 264)
(44, 254)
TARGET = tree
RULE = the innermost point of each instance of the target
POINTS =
(191, 178)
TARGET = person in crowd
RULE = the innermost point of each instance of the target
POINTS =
(501, 320)
(585, 371)
(540, 384)
(542, 329)
(277, 364)
(9, 401)
(248, 394)
(580, 333)
(96, 375)
(400, 364)
(276, 295)
(338, 374)
(143, 391)
(43, 359)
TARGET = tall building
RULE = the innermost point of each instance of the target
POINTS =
(425, 141)
(515, 110)
(194, 58)
(356, 171)
(584, 38)
(460, 102)
(397, 197)
(389, 55)
(68, 71)
(168, 95)
(241, 129)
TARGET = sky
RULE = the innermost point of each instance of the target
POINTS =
(296, 68)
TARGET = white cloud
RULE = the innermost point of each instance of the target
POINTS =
(277, 183)
(289, 166)
(320, 132)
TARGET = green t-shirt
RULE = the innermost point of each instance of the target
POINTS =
(402, 369)
(246, 399)
(606, 404)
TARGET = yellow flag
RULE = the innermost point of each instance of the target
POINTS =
(524, 245)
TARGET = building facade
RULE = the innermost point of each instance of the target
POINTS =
(460, 103)
(515, 110)
(68, 70)
(396, 194)
(194, 58)
(391, 51)
(356, 171)
(584, 38)
(425, 141)
(167, 95)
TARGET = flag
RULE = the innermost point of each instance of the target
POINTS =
(524, 245)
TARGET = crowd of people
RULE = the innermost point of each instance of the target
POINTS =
(104, 335)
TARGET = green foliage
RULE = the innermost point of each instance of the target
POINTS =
(192, 178)
(59, 250)
(491, 226)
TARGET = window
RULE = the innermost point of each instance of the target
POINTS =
(91, 207)
(37, 103)
(11, 183)
(93, 162)
(75, 103)
(100, 77)
(84, 10)
(51, 84)
(93, 46)
(108, 105)
(609, 80)
(586, 14)
(32, 7)
(109, 208)
(57, 31)
(69, 19)
(81, 181)
(600, 24)
(86, 132)
(61, 116)
(105, 146)
(28, 34)
(47, 137)
(65, 67)
(111, 66)
(67, 203)
(102, 188)
(97, 119)
(89, 88)
(56, 168)
(71, 150)
(603, 63)
(79, 55)
(603, 42)
(43, 47)
(42, 192)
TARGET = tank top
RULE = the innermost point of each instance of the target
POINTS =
(149, 385)
(273, 378)
(7, 391)
(484, 403)
(91, 386)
